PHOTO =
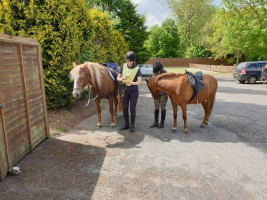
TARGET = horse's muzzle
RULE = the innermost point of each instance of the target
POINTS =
(76, 95)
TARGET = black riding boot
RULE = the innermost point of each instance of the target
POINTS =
(132, 128)
(126, 120)
(156, 119)
(163, 114)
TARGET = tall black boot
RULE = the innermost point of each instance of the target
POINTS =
(163, 115)
(126, 120)
(156, 119)
(132, 128)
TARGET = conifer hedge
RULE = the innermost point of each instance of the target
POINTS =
(67, 31)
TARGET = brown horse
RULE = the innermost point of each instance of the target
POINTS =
(178, 88)
(101, 85)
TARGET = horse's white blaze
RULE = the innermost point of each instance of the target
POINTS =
(74, 92)
(76, 77)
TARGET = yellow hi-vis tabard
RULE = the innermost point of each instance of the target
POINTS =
(128, 73)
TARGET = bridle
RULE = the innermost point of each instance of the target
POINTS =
(82, 89)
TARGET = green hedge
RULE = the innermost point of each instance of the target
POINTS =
(67, 31)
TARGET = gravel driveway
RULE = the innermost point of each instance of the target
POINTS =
(225, 160)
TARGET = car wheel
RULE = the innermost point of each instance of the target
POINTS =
(252, 79)
(241, 81)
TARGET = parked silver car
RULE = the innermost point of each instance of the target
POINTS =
(146, 69)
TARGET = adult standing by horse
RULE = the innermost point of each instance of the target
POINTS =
(130, 76)
(159, 101)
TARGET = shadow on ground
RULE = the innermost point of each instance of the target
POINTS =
(56, 169)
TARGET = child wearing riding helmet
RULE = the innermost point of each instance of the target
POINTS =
(130, 76)
(159, 101)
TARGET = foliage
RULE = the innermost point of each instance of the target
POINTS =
(163, 42)
(67, 31)
(240, 28)
(197, 52)
(126, 20)
(108, 44)
(191, 18)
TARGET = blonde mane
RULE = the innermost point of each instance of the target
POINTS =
(94, 70)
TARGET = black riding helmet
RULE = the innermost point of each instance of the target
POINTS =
(157, 67)
(130, 56)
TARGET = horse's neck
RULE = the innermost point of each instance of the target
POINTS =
(91, 82)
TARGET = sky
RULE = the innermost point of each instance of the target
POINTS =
(156, 11)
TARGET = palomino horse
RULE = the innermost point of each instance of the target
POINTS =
(101, 85)
(178, 88)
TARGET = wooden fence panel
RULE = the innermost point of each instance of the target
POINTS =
(24, 117)
(34, 92)
(16, 126)
(184, 62)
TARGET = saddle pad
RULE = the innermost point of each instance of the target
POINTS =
(196, 82)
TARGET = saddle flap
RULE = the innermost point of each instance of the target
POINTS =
(196, 82)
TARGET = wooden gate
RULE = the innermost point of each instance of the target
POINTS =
(23, 111)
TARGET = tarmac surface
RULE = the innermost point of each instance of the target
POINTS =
(225, 160)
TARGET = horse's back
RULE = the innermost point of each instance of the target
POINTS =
(210, 80)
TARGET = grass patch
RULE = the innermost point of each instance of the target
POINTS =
(193, 70)
(102, 102)
(61, 129)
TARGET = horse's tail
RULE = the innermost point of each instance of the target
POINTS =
(215, 85)
(212, 104)
(120, 102)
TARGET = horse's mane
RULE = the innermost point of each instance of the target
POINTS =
(94, 70)
(155, 79)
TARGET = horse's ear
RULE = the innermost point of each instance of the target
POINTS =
(74, 64)
(146, 80)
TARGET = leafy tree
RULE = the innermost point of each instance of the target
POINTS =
(196, 52)
(163, 42)
(108, 45)
(130, 24)
(240, 28)
(191, 17)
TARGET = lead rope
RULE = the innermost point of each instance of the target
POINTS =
(96, 95)
(90, 99)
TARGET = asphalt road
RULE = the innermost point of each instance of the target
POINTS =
(225, 160)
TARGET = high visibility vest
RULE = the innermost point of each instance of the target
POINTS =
(128, 73)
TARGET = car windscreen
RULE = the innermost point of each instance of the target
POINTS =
(241, 65)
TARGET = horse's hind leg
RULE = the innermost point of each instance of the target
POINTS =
(206, 110)
(115, 97)
(174, 108)
(184, 118)
(111, 110)
(98, 107)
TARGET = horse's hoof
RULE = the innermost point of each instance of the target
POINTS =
(173, 129)
(112, 124)
(99, 124)
(185, 131)
(202, 125)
